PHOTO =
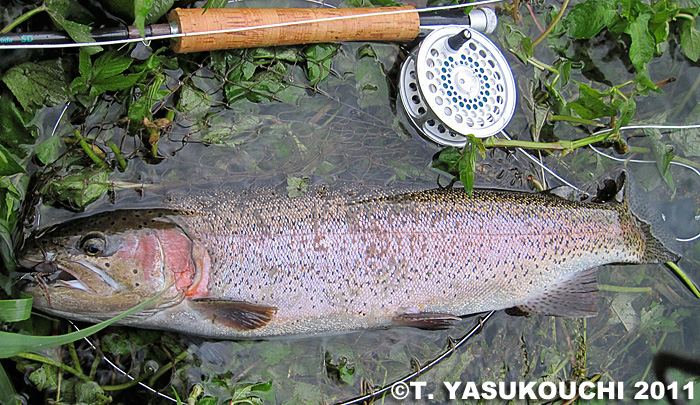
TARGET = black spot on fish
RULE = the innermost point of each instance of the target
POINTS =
(137, 284)
(107, 264)
(135, 271)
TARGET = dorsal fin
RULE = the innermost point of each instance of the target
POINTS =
(238, 315)
(574, 297)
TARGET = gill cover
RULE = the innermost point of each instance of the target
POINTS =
(95, 267)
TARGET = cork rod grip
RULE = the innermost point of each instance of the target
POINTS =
(386, 27)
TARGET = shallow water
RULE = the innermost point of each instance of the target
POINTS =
(327, 137)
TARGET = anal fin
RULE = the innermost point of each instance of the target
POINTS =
(238, 315)
(573, 297)
(425, 320)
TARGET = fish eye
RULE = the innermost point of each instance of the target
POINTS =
(93, 244)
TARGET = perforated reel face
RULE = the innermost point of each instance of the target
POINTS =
(449, 94)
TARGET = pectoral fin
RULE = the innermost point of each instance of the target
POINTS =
(425, 320)
(238, 315)
(574, 297)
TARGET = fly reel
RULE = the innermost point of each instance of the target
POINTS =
(456, 83)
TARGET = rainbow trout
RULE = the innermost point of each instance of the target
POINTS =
(256, 264)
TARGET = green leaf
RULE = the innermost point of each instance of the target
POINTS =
(37, 83)
(664, 156)
(115, 83)
(110, 64)
(8, 164)
(315, 73)
(219, 61)
(141, 9)
(643, 84)
(77, 32)
(158, 10)
(467, 164)
(7, 247)
(366, 51)
(79, 85)
(84, 63)
(194, 103)
(274, 351)
(12, 196)
(590, 105)
(587, 19)
(125, 9)
(155, 62)
(253, 394)
(320, 52)
(105, 74)
(49, 149)
(263, 87)
(262, 54)
(687, 141)
(234, 92)
(78, 189)
(241, 69)
(15, 310)
(371, 83)
(71, 17)
(626, 108)
(215, 4)
(526, 46)
(143, 106)
(340, 371)
(318, 61)
(297, 186)
(659, 32)
(70, 9)
(14, 133)
(15, 343)
(142, 12)
(447, 160)
(88, 392)
(44, 377)
(8, 395)
(690, 40)
(305, 393)
(642, 46)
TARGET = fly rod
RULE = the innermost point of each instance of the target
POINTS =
(195, 30)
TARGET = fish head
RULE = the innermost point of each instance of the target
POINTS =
(99, 266)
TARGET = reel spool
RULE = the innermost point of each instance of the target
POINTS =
(455, 83)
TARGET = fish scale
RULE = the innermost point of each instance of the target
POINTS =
(326, 262)
(365, 261)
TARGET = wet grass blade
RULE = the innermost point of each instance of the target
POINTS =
(17, 309)
(15, 343)
(8, 395)
(684, 278)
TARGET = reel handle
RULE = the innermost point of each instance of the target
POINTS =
(380, 27)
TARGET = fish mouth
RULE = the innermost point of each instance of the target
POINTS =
(74, 274)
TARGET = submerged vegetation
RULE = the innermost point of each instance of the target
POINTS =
(105, 125)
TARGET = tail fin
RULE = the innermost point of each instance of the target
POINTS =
(661, 243)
